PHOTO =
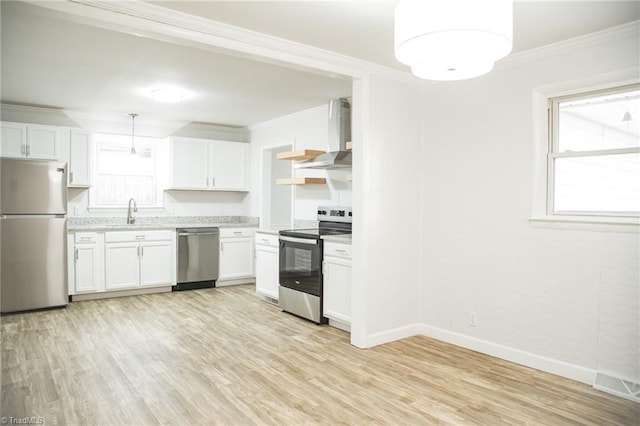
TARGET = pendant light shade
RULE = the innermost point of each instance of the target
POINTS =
(453, 39)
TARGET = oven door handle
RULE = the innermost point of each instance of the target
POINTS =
(310, 241)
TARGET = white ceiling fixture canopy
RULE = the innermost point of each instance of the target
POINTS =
(452, 39)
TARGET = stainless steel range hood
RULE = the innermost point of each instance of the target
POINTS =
(339, 135)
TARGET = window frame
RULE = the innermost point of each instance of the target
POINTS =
(159, 182)
(541, 215)
(555, 153)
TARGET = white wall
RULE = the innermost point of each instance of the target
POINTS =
(386, 302)
(542, 296)
(306, 129)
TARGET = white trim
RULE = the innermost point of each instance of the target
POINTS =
(592, 223)
(569, 46)
(549, 365)
(155, 21)
(540, 97)
(394, 334)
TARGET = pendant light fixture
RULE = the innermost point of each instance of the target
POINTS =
(133, 132)
(452, 39)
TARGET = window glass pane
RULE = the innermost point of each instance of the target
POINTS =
(120, 175)
(600, 122)
(607, 183)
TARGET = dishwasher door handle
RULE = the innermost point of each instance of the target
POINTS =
(189, 234)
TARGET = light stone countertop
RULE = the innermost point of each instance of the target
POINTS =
(85, 223)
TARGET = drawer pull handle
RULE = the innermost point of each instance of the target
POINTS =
(140, 237)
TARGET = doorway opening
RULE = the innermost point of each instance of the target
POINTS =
(277, 200)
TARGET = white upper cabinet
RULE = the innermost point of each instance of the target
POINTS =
(189, 163)
(75, 149)
(13, 140)
(201, 164)
(29, 141)
(79, 158)
(229, 161)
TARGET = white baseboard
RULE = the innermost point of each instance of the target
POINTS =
(393, 335)
(119, 293)
(238, 281)
(549, 365)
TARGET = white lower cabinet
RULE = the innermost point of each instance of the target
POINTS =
(138, 259)
(337, 284)
(236, 256)
(267, 265)
(122, 265)
(86, 262)
(156, 263)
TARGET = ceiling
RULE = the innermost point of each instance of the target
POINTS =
(53, 61)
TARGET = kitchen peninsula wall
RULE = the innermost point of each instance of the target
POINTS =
(307, 129)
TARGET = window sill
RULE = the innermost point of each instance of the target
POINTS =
(579, 223)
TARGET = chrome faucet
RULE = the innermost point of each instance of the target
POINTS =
(130, 219)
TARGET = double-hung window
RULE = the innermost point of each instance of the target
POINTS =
(120, 174)
(593, 162)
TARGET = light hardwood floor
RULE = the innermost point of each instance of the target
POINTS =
(222, 356)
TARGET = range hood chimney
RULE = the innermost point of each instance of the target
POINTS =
(339, 135)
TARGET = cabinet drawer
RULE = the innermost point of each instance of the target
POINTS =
(123, 236)
(337, 250)
(267, 239)
(236, 232)
(86, 237)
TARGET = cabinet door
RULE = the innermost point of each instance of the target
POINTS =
(236, 258)
(267, 271)
(13, 140)
(79, 159)
(86, 268)
(189, 164)
(229, 165)
(156, 263)
(337, 289)
(42, 142)
(121, 265)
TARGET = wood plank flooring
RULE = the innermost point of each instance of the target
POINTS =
(222, 356)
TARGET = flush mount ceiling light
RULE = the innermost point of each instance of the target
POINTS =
(452, 39)
(167, 95)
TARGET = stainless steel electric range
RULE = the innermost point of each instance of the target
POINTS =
(300, 291)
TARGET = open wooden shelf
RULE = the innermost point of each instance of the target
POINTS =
(349, 145)
(303, 154)
(301, 181)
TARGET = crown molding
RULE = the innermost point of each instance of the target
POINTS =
(154, 21)
(564, 47)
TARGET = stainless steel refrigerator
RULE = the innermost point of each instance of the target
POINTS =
(33, 228)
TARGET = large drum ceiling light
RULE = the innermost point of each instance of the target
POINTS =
(452, 39)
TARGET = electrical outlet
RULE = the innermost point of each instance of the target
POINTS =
(473, 319)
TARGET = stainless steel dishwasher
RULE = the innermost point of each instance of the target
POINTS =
(198, 253)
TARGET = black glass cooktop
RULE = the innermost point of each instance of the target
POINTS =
(316, 233)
